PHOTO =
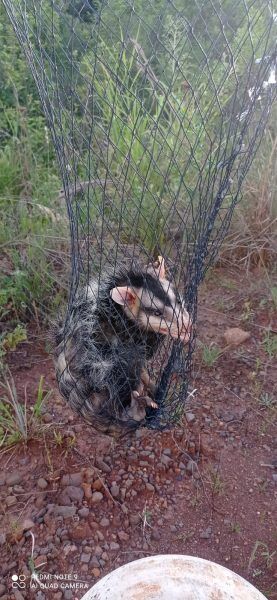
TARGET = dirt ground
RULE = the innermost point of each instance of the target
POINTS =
(208, 488)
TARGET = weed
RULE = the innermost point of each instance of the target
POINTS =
(210, 354)
(261, 551)
(270, 344)
(248, 312)
(235, 528)
(41, 398)
(267, 400)
(273, 292)
(17, 422)
(216, 482)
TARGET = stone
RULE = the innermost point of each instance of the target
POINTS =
(42, 483)
(74, 493)
(81, 531)
(2, 589)
(97, 485)
(104, 522)
(17, 595)
(2, 539)
(94, 561)
(190, 417)
(13, 478)
(166, 460)
(134, 519)
(115, 491)
(114, 546)
(40, 561)
(27, 524)
(87, 490)
(102, 465)
(97, 497)
(96, 572)
(85, 558)
(72, 479)
(182, 465)
(65, 511)
(123, 536)
(150, 487)
(206, 534)
(234, 336)
(83, 512)
(10, 500)
(191, 466)
(274, 477)
(68, 595)
(98, 551)
(155, 535)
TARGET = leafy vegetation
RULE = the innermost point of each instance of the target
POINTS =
(149, 141)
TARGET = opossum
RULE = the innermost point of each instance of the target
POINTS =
(114, 326)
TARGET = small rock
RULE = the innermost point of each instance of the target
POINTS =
(123, 536)
(85, 558)
(2, 539)
(74, 493)
(96, 497)
(190, 417)
(27, 524)
(17, 595)
(97, 485)
(206, 534)
(182, 465)
(96, 572)
(234, 336)
(83, 512)
(274, 477)
(167, 451)
(115, 491)
(72, 479)
(104, 522)
(13, 478)
(134, 519)
(166, 460)
(81, 531)
(102, 465)
(150, 487)
(40, 561)
(2, 589)
(42, 483)
(10, 500)
(191, 466)
(155, 534)
(105, 556)
(65, 511)
(98, 551)
(87, 490)
(114, 546)
(94, 561)
(68, 595)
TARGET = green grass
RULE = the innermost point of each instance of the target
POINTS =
(18, 422)
(210, 354)
(270, 344)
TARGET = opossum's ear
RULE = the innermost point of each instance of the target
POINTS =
(123, 295)
(161, 268)
(157, 268)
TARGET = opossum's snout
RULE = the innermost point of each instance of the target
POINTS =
(172, 320)
(155, 305)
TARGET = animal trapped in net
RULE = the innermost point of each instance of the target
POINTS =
(156, 111)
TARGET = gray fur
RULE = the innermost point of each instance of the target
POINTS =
(100, 354)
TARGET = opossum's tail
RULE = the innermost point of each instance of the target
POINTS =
(97, 416)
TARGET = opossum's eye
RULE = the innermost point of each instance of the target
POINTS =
(157, 313)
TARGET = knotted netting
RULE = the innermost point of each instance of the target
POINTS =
(156, 110)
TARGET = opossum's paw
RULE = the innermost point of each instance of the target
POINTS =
(150, 402)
